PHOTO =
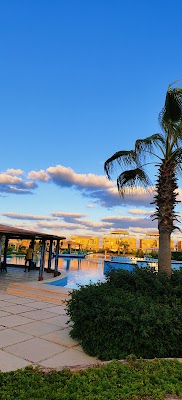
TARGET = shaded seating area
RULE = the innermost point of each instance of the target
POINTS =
(46, 241)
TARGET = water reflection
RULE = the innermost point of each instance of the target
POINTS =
(80, 271)
(68, 263)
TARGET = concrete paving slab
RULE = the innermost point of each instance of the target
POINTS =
(39, 339)
(70, 357)
(21, 300)
(37, 328)
(16, 309)
(39, 305)
(57, 309)
(39, 314)
(18, 300)
(10, 336)
(60, 320)
(5, 303)
(61, 337)
(4, 314)
(35, 350)
(9, 362)
(5, 296)
(14, 320)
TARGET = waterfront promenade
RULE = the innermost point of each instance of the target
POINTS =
(34, 327)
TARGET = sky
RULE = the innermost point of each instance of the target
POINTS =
(80, 80)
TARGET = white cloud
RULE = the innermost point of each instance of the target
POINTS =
(143, 231)
(138, 211)
(9, 179)
(39, 175)
(9, 183)
(127, 222)
(60, 225)
(67, 215)
(30, 217)
(15, 172)
(65, 176)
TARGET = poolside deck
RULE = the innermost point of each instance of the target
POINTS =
(34, 328)
(16, 274)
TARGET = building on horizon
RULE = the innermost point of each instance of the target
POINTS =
(119, 241)
(151, 243)
(179, 245)
(89, 243)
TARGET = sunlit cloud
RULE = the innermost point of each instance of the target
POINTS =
(39, 175)
(15, 172)
(179, 197)
(29, 217)
(137, 211)
(143, 231)
(14, 190)
(58, 226)
(110, 198)
(130, 222)
(97, 188)
(91, 205)
(9, 183)
(9, 179)
(64, 176)
(67, 177)
(93, 224)
(67, 214)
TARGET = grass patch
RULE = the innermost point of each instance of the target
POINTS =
(116, 380)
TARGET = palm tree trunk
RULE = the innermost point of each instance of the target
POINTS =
(164, 255)
(165, 200)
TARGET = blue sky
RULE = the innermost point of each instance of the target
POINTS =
(80, 80)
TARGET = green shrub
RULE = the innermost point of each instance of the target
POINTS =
(137, 312)
(176, 255)
(148, 282)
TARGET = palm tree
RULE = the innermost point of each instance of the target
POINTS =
(166, 147)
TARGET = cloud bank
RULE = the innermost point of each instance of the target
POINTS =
(94, 187)
(99, 190)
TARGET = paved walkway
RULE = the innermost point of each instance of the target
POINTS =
(34, 332)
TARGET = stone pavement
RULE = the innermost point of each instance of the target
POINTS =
(35, 332)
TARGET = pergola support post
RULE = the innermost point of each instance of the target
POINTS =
(42, 261)
(32, 245)
(50, 255)
(4, 266)
(56, 273)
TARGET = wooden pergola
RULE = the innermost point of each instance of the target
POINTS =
(10, 232)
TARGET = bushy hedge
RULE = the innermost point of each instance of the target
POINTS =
(176, 255)
(137, 312)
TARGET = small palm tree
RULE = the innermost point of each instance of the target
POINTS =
(167, 149)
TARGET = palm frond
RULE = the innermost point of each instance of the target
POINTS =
(149, 144)
(132, 178)
(176, 159)
(122, 158)
(177, 135)
(172, 111)
(176, 156)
